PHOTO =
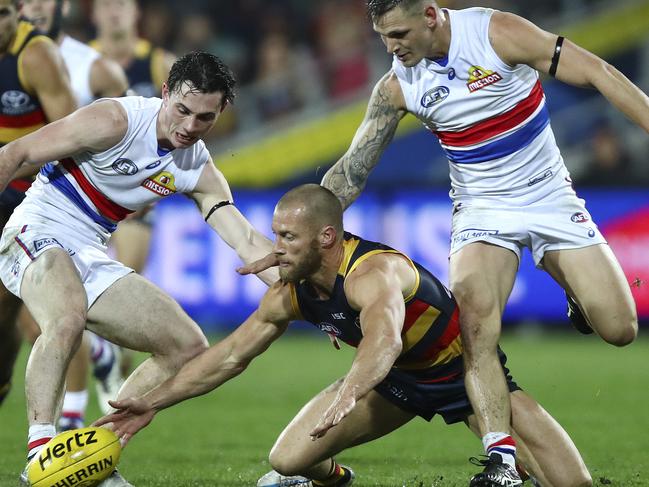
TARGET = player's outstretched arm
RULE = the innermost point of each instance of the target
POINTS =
(93, 128)
(376, 288)
(214, 199)
(518, 41)
(347, 178)
(207, 371)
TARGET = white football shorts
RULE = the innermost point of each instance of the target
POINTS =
(555, 223)
(20, 246)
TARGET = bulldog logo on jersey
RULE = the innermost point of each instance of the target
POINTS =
(480, 77)
(162, 183)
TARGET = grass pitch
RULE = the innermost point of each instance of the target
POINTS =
(600, 395)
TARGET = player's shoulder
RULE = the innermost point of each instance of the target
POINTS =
(138, 103)
(39, 48)
(388, 90)
(277, 303)
(41, 58)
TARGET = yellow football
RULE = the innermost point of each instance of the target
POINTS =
(80, 458)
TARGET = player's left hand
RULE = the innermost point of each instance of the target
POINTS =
(340, 408)
(131, 416)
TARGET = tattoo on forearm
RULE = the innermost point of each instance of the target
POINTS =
(347, 178)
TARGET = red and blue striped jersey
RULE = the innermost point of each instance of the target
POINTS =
(491, 118)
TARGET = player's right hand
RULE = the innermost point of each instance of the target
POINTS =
(260, 265)
(131, 416)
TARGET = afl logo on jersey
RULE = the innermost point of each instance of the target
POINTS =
(329, 328)
(436, 95)
(125, 167)
(162, 183)
(15, 102)
(579, 217)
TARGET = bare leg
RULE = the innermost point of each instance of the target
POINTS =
(30, 329)
(482, 277)
(294, 453)
(132, 242)
(53, 292)
(136, 314)
(608, 306)
(544, 448)
(77, 376)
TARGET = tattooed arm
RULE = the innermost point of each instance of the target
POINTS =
(347, 178)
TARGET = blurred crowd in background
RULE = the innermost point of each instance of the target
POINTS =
(298, 60)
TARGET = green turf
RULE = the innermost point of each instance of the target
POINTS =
(599, 394)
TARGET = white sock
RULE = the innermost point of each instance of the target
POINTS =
(39, 434)
(502, 444)
(75, 402)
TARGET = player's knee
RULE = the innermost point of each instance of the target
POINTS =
(191, 347)
(623, 334)
(65, 332)
(283, 462)
(479, 314)
(583, 479)
(619, 327)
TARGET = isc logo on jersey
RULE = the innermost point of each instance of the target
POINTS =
(162, 183)
(480, 77)
(80, 458)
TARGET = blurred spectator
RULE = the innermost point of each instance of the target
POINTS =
(284, 80)
(157, 24)
(276, 88)
(198, 31)
(609, 161)
(341, 29)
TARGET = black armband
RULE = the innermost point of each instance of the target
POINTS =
(220, 204)
(555, 59)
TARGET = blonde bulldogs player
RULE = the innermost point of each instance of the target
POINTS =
(472, 77)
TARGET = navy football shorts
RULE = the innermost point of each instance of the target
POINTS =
(447, 398)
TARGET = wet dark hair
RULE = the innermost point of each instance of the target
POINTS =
(376, 8)
(205, 72)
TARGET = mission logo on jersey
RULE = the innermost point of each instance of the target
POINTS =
(480, 78)
(162, 183)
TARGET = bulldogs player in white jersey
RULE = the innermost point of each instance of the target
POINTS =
(92, 76)
(116, 156)
(471, 76)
